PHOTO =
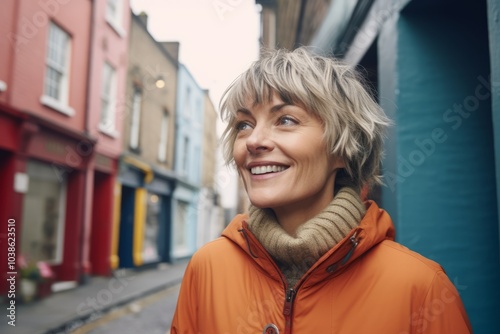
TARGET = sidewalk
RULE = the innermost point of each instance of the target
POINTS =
(58, 312)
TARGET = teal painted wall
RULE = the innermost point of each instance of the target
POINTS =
(494, 34)
(388, 91)
(442, 190)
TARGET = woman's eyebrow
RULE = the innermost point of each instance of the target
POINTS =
(244, 111)
(278, 107)
(273, 109)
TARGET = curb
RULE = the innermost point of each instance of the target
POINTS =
(79, 321)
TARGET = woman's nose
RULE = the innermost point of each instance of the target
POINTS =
(259, 140)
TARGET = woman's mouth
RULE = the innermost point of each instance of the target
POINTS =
(258, 170)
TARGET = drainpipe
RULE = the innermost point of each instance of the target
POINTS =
(89, 68)
(299, 23)
(12, 60)
(84, 276)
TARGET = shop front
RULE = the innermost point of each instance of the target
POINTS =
(43, 180)
(142, 234)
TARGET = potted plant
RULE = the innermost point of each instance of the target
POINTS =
(46, 279)
(30, 277)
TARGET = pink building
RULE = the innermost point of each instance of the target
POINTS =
(62, 74)
(107, 106)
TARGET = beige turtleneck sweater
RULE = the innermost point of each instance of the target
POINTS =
(295, 255)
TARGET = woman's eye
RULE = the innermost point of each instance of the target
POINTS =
(240, 126)
(287, 120)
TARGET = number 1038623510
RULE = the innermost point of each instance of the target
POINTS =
(11, 243)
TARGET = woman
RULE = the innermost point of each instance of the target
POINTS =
(310, 256)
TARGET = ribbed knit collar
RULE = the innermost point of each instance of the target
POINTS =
(295, 255)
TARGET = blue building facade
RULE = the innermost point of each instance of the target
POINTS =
(434, 66)
(146, 180)
(188, 146)
(442, 194)
(432, 75)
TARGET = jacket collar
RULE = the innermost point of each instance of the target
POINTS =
(375, 227)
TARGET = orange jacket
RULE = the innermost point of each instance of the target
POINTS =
(365, 284)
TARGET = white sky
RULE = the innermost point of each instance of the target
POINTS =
(218, 40)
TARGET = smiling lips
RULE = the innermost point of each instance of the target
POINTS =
(267, 169)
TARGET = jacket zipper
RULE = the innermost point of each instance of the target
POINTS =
(288, 309)
(291, 292)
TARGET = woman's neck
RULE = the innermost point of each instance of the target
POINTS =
(298, 247)
(292, 217)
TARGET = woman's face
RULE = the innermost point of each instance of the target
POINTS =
(282, 158)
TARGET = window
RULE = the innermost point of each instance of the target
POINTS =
(112, 9)
(43, 213)
(162, 147)
(108, 94)
(135, 120)
(56, 83)
(180, 246)
(114, 14)
(150, 251)
(185, 157)
(198, 108)
(197, 157)
(187, 106)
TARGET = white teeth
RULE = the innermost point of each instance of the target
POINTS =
(266, 169)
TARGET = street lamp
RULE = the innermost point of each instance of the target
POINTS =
(160, 82)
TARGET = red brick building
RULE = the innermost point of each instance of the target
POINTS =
(62, 64)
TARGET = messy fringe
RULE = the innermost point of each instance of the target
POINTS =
(354, 124)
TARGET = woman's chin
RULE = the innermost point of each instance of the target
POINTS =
(262, 203)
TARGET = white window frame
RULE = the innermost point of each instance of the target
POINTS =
(162, 147)
(108, 100)
(58, 46)
(115, 19)
(135, 120)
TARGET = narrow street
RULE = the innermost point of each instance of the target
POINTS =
(152, 315)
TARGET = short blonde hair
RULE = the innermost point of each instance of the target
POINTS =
(354, 123)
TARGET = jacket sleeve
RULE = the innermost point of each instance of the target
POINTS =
(442, 310)
(186, 312)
